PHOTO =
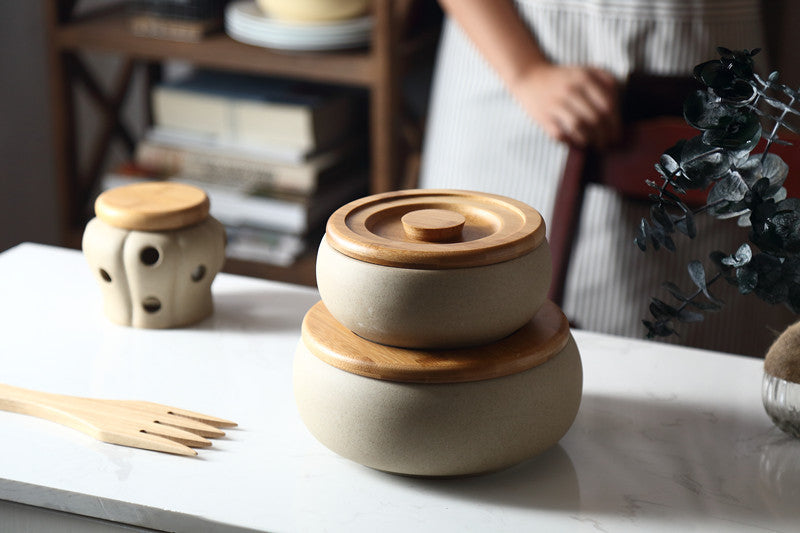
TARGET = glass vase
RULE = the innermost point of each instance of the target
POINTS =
(782, 402)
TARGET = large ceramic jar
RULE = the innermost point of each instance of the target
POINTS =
(434, 268)
(154, 251)
(438, 412)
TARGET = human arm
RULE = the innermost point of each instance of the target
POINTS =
(573, 104)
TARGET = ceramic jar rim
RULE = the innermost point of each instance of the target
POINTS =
(153, 206)
(534, 344)
(497, 229)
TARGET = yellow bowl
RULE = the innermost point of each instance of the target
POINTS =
(313, 10)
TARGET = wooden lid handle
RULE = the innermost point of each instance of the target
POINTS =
(433, 225)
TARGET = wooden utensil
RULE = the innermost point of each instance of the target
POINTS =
(138, 424)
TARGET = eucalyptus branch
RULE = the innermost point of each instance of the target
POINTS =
(739, 184)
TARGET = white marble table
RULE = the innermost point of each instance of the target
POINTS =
(667, 439)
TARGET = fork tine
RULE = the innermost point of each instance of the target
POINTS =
(206, 419)
(190, 424)
(146, 441)
(176, 434)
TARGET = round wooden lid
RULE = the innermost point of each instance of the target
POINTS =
(435, 229)
(535, 343)
(152, 206)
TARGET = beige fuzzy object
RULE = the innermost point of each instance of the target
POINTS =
(783, 357)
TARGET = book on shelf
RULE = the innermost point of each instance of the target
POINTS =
(257, 110)
(277, 152)
(276, 211)
(185, 31)
(247, 170)
(268, 246)
(176, 20)
(296, 215)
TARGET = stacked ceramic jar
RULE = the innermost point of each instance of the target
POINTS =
(434, 351)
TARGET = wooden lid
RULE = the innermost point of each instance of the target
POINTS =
(535, 343)
(152, 206)
(435, 229)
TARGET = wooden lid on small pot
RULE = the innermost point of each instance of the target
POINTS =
(152, 206)
(535, 343)
(435, 229)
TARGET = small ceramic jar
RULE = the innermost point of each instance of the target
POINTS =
(438, 412)
(154, 250)
(434, 268)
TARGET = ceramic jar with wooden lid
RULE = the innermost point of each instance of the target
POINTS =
(434, 268)
(438, 412)
(154, 250)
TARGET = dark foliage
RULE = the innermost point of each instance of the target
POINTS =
(735, 112)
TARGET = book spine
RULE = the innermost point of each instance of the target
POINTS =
(235, 172)
(237, 209)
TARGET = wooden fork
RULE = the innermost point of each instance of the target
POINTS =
(138, 424)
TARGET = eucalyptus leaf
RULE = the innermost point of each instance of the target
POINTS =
(702, 163)
(675, 291)
(685, 315)
(731, 188)
(742, 256)
(661, 310)
(697, 273)
(747, 278)
(705, 306)
(740, 132)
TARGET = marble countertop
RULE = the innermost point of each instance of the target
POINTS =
(667, 438)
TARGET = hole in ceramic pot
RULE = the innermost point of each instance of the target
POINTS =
(199, 273)
(151, 304)
(149, 256)
(106, 277)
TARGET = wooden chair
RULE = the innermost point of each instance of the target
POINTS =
(652, 113)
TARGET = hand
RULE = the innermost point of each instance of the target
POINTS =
(575, 105)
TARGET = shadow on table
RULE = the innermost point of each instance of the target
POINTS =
(650, 459)
(258, 311)
(547, 481)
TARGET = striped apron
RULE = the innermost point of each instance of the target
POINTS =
(479, 138)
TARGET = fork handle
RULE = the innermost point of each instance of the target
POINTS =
(53, 407)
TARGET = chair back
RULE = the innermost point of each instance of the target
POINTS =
(652, 115)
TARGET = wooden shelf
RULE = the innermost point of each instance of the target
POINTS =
(397, 42)
(109, 32)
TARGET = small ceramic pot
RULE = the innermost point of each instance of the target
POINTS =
(434, 269)
(313, 10)
(154, 251)
(441, 412)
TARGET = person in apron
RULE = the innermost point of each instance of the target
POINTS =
(516, 82)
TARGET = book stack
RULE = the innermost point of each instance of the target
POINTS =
(275, 157)
(176, 20)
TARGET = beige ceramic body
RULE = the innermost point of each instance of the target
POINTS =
(313, 10)
(450, 429)
(420, 308)
(129, 284)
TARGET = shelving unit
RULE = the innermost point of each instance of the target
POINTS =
(398, 41)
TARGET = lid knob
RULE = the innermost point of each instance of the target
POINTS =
(433, 225)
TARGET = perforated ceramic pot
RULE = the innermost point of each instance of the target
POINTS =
(154, 251)
(434, 268)
(438, 412)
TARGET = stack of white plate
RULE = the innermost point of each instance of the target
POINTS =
(246, 22)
